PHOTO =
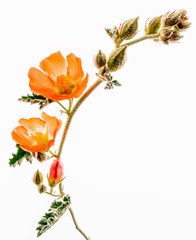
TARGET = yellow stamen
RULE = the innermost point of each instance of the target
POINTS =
(65, 84)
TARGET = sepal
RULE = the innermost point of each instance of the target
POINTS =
(113, 33)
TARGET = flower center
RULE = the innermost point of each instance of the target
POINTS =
(41, 138)
(65, 85)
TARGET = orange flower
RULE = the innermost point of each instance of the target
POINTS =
(56, 172)
(36, 135)
(62, 79)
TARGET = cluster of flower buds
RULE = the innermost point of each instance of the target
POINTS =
(115, 61)
(169, 26)
(125, 31)
(55, 176)
(38, 180)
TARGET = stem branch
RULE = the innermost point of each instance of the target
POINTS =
(150, 36)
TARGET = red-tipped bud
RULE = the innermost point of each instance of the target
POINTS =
(56, 172)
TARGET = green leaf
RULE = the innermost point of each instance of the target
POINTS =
(56, 210)
(116, 83)
(111, 84)
(19, 157)
(42, 101)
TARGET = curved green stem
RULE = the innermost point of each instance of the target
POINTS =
(53, 154)
(150, 36)
(54, 195)
(72, 112)
(76, 225)
(66, 110)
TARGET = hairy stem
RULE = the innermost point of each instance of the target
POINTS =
(72, 112)
(150, 36)
(76, 225)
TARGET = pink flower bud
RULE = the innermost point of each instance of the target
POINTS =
(56, 172)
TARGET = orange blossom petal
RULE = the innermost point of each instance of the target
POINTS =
(74, 68)
(54, 65)
(53, 125)
(41, 84)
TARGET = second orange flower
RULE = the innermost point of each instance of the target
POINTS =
(62, 79)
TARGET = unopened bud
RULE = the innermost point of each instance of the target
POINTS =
(117, 59)
(38, 178)
(42, 188)
(168, 35)
(153, 26)
(100, 59)
(128, 29)
(56, 173)
(172, 19)
(176, 36)
(183, 24)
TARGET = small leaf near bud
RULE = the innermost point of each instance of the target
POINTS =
(128, 29)
(38, 178)
(42, 188)
(117, 59)
(100, 59)
(153, 26)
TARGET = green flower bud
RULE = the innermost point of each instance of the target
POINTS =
(175, 36)
(172, 19)
(100, 59)
(38, 178)
(165, 35)
(128, 29)
(168, 35)
(117, 59)
(42, 188)
(183, 24)
(153, 26)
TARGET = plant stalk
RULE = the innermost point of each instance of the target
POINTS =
(76, 225)
(72, 112)
(150, 36)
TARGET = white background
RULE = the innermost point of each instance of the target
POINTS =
(130, 155)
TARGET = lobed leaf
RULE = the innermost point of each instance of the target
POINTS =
(111, 84)
(56, 210)
(19, 157)
(33, 99)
